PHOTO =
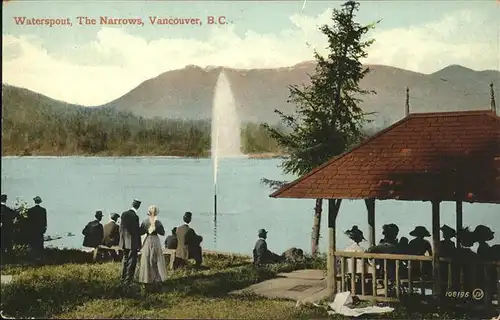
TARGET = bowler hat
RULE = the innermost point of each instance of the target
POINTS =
(98, 213)
(448, 230)
(188, 215)
(37, 199)
(115, 216)
(262, 232)
(355, 233)
(420, 231)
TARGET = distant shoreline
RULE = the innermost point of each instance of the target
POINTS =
(264, 155)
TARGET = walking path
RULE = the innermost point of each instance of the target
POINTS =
(307, 285)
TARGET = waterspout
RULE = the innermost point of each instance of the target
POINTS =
(226, 135)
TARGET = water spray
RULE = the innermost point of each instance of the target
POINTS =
(225, 133)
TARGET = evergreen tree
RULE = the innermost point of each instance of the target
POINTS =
(327, 120)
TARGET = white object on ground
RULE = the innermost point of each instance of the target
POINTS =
(339, 306)
(5, 279)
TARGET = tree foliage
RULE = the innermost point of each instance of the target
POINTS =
(328, 119)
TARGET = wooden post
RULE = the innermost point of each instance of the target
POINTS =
(459, 223)
(407, 104)
(370, 207)
(333, 209)
(492, 99)
(436, 244)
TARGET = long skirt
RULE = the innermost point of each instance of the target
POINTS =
(152, 268)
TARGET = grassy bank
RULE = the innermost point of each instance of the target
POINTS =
(85, 290)
(65, 289)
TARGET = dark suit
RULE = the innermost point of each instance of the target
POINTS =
(111, 236)
(93, 234)
(188, 244)
(130, 242)
(37, 224)
(260, 252)
(8, 216)
(171, 242)
(261, 255)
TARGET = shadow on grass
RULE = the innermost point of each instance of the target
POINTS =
(219, 283)
(19, 260)
(47, 290)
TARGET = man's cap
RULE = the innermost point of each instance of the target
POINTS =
(115, 216)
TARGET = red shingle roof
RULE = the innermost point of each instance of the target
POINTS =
(451, 156)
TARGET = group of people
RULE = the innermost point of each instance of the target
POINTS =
(127, 236)
(31, 227)
(389, 244)
(420, 246)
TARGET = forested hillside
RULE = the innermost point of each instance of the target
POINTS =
(33, 124)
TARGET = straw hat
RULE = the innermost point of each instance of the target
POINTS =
(420, 231)
(484, 233)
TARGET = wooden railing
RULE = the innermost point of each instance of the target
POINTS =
(399, 275)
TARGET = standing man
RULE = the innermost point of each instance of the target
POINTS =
(37, 224)
(130, 241)
(7, 226)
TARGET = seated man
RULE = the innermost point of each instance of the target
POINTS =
(188, 243)
(111, 231)
(261, 255)
(93, 232)
(171, 240)
(389, 245)
(111, 235)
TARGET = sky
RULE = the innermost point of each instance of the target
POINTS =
(94, 64)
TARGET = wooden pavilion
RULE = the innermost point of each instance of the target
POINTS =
(435, 157)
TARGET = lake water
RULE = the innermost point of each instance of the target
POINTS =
(73, 188)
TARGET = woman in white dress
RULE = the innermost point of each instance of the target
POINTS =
(152, 268)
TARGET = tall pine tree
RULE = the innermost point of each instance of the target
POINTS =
(327, 120)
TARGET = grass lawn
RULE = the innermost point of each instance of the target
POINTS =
(89, 290)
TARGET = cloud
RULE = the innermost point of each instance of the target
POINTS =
(116, 61)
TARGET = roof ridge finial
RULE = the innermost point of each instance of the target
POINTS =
(407, 104)
(492, 99)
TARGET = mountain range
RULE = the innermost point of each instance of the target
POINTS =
(188, 92)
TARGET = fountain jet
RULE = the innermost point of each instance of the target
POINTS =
(226, 126)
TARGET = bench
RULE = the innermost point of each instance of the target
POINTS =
(117, 249)
(170, 252)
